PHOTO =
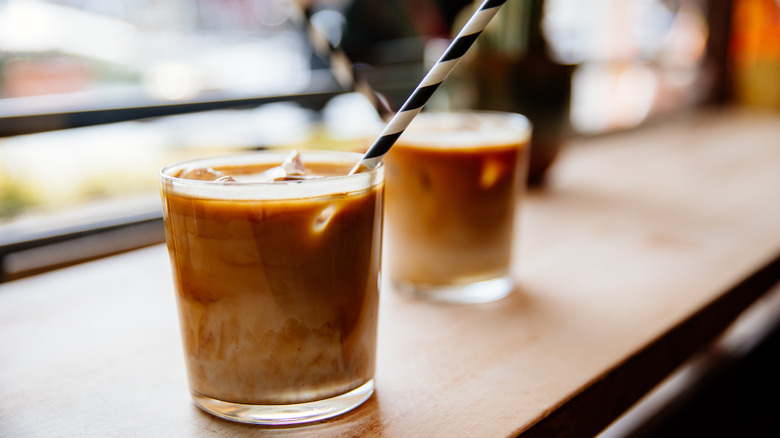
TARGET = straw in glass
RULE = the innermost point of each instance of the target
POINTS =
(341, 66)
(435, 76)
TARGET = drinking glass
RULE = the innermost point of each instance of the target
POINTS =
(454, 182)
(277, 283)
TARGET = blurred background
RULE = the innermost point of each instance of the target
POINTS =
(95, 96)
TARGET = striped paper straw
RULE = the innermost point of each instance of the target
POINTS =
(341, 67)
(436, 75)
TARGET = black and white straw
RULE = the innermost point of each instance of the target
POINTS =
(341, 66)
(436, 75)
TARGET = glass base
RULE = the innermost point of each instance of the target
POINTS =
(471, 293)
(279, 415)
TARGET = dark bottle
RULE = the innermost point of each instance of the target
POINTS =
(511, 69)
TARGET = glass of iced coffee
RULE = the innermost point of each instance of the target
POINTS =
(454, 181)
(276, 260)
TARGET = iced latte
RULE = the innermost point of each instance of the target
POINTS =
(276, 272)
(453, 183)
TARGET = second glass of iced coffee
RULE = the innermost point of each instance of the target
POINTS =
(454, 181)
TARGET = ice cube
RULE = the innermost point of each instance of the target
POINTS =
(293, 165)
(201, 174)
(322, 219)
(492, 172)
(292, 169)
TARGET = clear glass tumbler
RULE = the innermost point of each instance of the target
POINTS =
(277, 284)
(454, 181)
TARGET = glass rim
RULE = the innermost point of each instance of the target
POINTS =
(504, 127)
(255, 190)
(518, 117)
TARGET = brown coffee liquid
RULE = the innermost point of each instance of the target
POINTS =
(450, 211)
(278, 299)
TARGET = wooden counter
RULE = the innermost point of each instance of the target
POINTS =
(643, 247)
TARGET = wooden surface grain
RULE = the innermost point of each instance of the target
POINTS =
(641, 248)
